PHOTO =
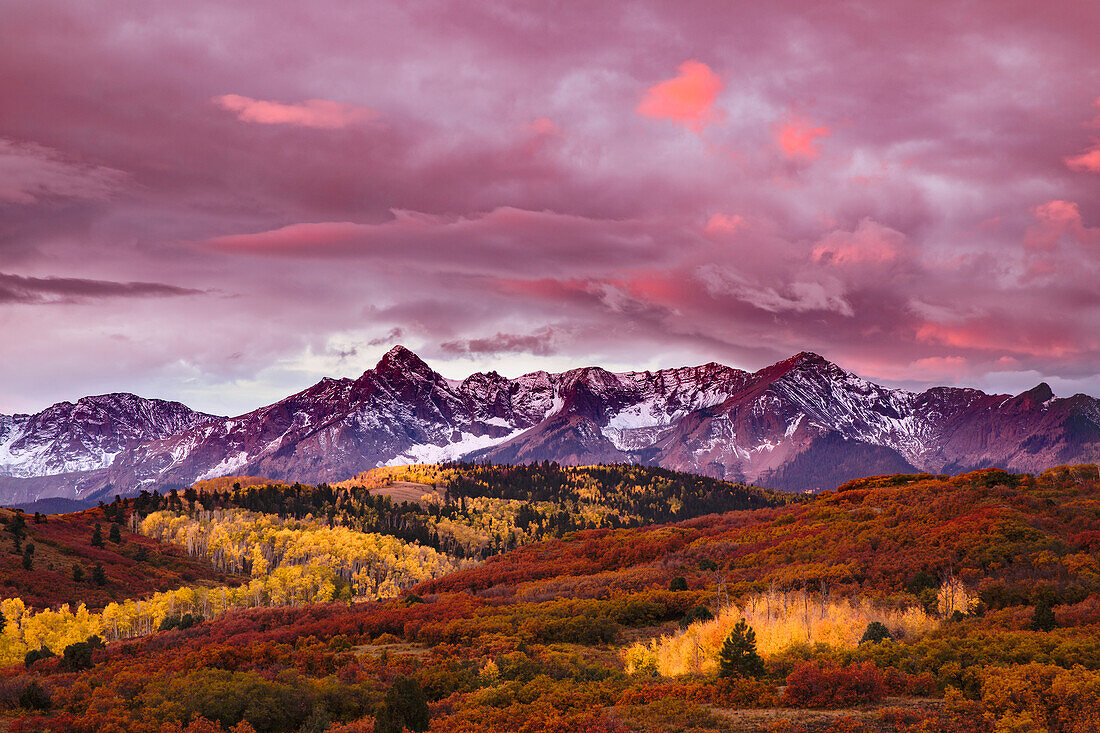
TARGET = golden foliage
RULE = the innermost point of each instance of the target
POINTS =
(370, 565)
(781, 621)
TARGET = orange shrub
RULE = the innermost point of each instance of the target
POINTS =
(745, 692)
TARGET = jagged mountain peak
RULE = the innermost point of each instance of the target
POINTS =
(804, 361)
(799, 423)
(1039, 393)
(401, 359)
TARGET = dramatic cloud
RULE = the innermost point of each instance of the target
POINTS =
(687, 99)
(310, 113)
(30, 172)
(38, 290)
(504, 240)
(516, 186)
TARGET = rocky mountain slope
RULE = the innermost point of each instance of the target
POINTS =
(799, 424)
(66, 449)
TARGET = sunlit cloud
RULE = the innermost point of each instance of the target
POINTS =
(544, 126)
(870, 242)
(320, 113)
(724, 223)
(797, 138)
(687, 99)
(1086, 161)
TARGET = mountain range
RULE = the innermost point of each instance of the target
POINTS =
(800, 424)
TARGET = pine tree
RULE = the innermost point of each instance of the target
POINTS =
(35, 697)
(876, 632)
(115, 535)
(97, 536)
(78, 573)
(405, 706)
(738, 657)
(1043, 619)
(99, 575)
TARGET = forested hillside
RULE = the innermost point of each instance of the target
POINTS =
(48, 560)
(261, 543)
(476, 510)
(910, 603)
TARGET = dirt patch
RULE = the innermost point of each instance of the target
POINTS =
(376, 650)
(745, 720)
(407, 491)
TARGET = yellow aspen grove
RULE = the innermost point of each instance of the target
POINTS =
(366, 565)
(781, 621)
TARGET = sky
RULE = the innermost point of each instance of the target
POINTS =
(221, 203)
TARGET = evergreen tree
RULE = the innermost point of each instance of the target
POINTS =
(738, 657)
(876, 632)
(78, 573)
(115, 535)
(28, 559)
(97, 536)
(35, 654)
(35, 697)
(99, 575)
(678, 583)
(698, 613)
(405, 706)
(78, 656)
(1043, 619)
(319, 720)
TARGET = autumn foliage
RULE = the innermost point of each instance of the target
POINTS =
(539, 638)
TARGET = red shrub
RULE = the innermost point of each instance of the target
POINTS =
(828, 686)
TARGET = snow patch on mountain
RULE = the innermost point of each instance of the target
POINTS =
(431, 453)
(226, 467)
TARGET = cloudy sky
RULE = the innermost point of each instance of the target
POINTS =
(223, 202)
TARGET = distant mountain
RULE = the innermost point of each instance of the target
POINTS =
(800, 424)
(66, 450)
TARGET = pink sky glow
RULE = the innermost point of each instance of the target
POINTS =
(223, 202)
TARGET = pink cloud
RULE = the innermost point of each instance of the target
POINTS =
(320, 113)
(871, 242)
(1056, 221)
(294, 239)
(797, 138)
(687, 99)
(724, 223)
(1089, 160)
(544, 126)
(460, 86)
(1086, 161)
(1001, 336)
(505, 239)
